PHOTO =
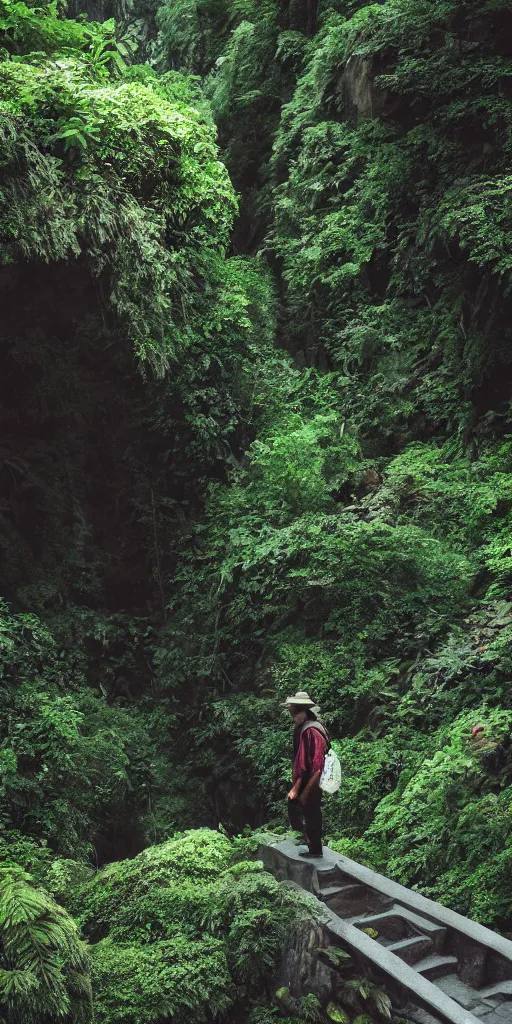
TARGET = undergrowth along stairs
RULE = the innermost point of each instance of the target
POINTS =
(436, 964)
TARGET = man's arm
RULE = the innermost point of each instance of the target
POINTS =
(312, 784)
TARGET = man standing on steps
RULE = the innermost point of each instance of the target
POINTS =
(310, 744)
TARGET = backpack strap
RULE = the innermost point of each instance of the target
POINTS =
(320, 728)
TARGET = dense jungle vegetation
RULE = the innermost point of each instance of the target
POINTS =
(256, 349)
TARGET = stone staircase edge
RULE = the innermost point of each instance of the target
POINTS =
(421, 989)
(408, 898)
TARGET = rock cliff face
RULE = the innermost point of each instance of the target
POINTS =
(302, 970)
(359, 98)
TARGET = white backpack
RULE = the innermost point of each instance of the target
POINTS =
(330, 779)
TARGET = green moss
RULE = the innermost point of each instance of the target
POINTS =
(76, 154)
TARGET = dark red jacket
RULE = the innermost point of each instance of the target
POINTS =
(309, 749)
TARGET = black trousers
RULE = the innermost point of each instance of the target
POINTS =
(308, 819)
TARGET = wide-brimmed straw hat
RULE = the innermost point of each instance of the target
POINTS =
(301, 698)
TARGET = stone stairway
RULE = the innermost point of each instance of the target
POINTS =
(441, 966)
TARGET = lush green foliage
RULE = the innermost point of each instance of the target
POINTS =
(188, 927)
(240, 475)
(68, 760)
(373, 506)
(77, 147)
(44, 967)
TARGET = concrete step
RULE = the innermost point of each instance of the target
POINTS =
(329, 873)
(456, 989)
(327, 892)
(353, 900)
(346, 900)
(500, 988)
(400, 923)
(411, 951)
(436, 966)
(436, 932)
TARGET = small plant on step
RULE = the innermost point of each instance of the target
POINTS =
(362, 995)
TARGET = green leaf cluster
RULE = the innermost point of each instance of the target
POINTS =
(44, 967)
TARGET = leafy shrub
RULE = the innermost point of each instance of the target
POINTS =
(90, 146)
(152, 884)
(447, 818)
(170, 979)
(45, 967)
(66, 755)
(183, 927)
